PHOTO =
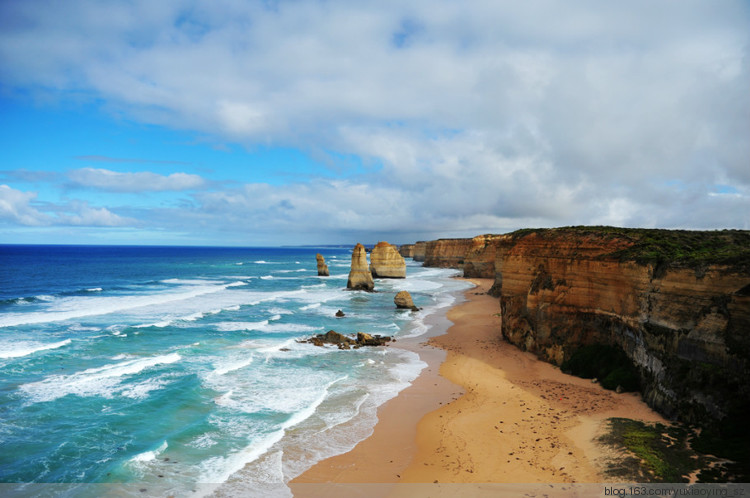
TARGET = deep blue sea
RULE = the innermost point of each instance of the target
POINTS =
(180, 365)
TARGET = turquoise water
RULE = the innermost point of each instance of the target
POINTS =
(178, 366)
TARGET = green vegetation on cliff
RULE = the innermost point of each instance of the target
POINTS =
(686, 248)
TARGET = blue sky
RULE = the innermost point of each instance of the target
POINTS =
(311, 122)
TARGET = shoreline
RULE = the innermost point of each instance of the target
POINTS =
(382, 456)
(482, 411)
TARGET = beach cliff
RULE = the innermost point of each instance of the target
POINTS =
(677, 303)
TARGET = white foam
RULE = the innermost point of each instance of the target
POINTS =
(274, 328)
(218, 469)
(100, 381)
(187, 281)
(276, 347)
(79, 307)
(232, 366)
(261, 262)
(310, 306)
(280, 311)
(267, 277)
(143, 389)
(235, 326)
(148, 456)
(95, 289)
(20, 349)
(122, 356)
(265, 326)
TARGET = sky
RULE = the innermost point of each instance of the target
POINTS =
(261, 123)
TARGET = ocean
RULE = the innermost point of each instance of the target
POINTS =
(181, 366)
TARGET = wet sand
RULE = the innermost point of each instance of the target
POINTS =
(493, 415)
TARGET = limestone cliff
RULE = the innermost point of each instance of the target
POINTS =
(386, 262)
(677, 303)
(446, 253)
(406, 250)
(479, 260)
(360, 277)
(419, 250)
(322, 266)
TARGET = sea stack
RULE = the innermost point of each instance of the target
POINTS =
(360, 277)
(322, 266)
(386, 262)
(403, 301)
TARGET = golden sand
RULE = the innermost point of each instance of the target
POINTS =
(494, 414)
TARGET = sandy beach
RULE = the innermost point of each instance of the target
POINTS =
(482, 412)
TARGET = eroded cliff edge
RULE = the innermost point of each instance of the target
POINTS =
(676, 302)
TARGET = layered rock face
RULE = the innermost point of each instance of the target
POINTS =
(386, 262)
(406, 250)
(360, 277)
(420, 248)
(446, 253)
(322, 266)
(686, 327)
(479, 260)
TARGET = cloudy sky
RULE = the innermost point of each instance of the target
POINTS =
(305, 122)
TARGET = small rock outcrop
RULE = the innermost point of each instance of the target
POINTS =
(403, 301)
(340, 314)
(322, 266)
(344, 342)
(360, 277)
(386, 262)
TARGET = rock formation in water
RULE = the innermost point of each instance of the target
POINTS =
(386, 262)
(322, 266)
(344, 342)
(403, 300)
(360, 277)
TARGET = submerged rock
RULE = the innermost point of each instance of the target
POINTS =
(386, 262)
(322, 266)
(346, 342)
(360, 277)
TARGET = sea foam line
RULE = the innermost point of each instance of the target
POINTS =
(223, 468)
(83, 307)
(101, 381)
(27, 349)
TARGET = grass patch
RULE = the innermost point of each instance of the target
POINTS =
(655, 452)
(609, 364)
(663, 248)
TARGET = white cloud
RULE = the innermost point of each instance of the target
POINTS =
(483, 115)
(81, 214)
(15, 206)
(142, 181)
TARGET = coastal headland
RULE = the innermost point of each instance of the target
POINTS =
(499, 409)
